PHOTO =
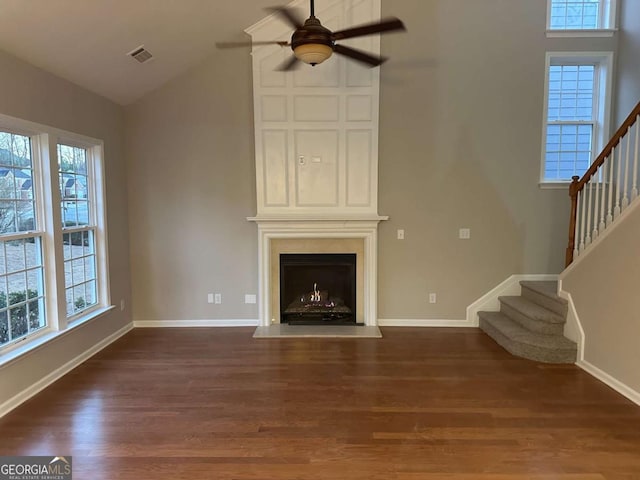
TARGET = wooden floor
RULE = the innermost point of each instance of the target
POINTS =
(417, 404)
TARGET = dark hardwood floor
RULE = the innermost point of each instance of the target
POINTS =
(417, 404)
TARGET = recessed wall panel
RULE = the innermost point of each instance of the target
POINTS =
(274, 108)
(276, 178)
(359, 168)
(316, 108)
(359, 108)
(316, 157)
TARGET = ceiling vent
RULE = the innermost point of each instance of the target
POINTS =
(141, 54)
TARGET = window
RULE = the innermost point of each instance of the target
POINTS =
(576, 113)
(79, 229)
(22, 309)
(572, 15)
(53, 265)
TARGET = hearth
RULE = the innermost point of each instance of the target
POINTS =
(318, 288)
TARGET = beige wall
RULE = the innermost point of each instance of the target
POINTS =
(604, 288)
(191, 187)
(32, 94)
(628, 72)
(460, 140)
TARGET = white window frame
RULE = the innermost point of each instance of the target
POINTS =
(603, 84)
(607, 23)
(44, 141)
(96, 198)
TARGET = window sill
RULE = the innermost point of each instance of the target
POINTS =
(602, 33)
(554, 185)
(28, 346)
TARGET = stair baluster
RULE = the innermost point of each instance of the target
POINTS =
(609, 185)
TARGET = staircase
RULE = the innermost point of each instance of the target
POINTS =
(531, 325)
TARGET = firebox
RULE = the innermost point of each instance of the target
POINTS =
(318, 288)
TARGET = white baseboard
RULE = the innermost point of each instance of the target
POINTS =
(607, 379)
(573, 328)
(194, 323)
(489, 301)
(414, 322)
(44, 382)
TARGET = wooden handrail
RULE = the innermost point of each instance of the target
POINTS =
(578, 183)
(615, 140)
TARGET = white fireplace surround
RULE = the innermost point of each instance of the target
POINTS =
(365, 228)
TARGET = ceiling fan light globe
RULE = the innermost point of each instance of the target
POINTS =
(313, 53)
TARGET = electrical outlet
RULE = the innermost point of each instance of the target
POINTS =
(210, 298)
(400, 234)
(433, 298)
(464, 233)
(217, 298)
(249, 298)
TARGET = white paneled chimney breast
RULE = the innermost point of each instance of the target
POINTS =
(316, 137)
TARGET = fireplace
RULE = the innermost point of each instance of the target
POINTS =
(318, 288)
(281, 235)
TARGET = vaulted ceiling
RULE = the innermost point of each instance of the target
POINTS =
(87, 41)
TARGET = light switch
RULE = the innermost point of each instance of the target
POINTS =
(400, 234)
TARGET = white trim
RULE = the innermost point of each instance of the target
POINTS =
(573, 327)
(44, 382)
(511, 286)
(599, 33)
(194, 323)
(607, 379)
(415, 322)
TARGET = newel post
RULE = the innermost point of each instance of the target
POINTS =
(573, 193)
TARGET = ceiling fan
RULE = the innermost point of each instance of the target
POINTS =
(313, 44)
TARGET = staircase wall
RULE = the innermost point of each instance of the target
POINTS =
(604, 284)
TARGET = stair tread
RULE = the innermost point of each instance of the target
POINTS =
(531, 309)
(547, 288)
(517, 333)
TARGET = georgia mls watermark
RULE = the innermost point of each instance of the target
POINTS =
(35, 468)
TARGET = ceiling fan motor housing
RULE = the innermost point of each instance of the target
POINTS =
(308, 40)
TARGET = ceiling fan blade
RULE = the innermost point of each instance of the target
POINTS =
(249, 44)
(381, 26)
(359, 55)
(289, 64)
(290, 16)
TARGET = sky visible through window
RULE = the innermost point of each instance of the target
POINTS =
(575, 14)
(570, 121)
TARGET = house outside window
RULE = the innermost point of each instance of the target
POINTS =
(53, 252)
(577, 111)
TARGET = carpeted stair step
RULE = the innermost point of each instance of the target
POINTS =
(521, 342)
(544, 294)
(532, 316)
